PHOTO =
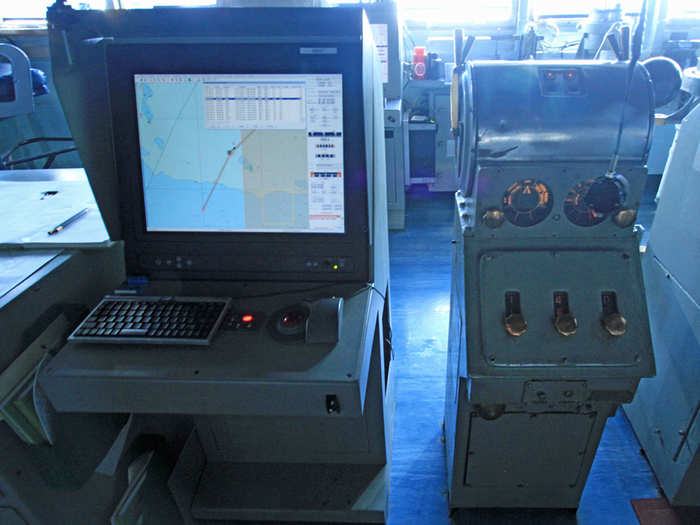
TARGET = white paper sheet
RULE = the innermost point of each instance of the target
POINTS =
(380, 34)
(29, 213)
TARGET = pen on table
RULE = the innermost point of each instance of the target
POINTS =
(68, 221)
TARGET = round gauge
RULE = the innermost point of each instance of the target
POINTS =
(591, 201)
(527, 202)
(606, 194)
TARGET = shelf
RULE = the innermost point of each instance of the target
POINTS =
(291, 491)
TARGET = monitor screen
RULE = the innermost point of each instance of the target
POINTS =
(241, 153)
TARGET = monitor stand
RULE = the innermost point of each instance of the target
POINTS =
(281, 430)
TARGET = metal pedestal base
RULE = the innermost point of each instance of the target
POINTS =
(524, 459)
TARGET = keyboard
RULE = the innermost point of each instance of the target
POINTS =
(160, 320)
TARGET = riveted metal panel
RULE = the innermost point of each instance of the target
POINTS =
(554, 445)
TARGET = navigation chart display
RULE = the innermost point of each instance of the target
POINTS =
(241, 153)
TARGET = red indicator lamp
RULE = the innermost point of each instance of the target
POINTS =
(247, 318)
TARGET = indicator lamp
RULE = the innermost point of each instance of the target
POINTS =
(335, 266)
(247, 318)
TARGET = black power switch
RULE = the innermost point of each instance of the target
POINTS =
(332, 404)
(613, 322)
(564, 322)
(513, 320)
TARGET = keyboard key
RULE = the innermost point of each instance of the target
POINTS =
(133, 332)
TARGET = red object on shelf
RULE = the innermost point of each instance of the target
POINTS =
(419, 63)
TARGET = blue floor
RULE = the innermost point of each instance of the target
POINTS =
(420, 287)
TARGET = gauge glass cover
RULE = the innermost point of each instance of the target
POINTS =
(527, 202)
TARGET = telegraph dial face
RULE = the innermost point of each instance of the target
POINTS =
(578, 210)
(527, 202)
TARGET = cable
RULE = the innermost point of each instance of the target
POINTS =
(612, 28)
(636, 53)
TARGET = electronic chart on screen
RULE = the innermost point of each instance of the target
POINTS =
(241, 153)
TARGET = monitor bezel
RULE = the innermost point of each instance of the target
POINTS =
(129, 59)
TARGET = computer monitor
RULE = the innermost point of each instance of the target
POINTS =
(233, 158)
(241, 153)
